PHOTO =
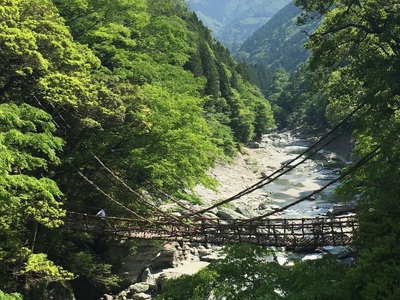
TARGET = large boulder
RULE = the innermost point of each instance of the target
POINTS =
(227, 213)
(339, 251)
(167, 275)
(141, 296)
(246, 211)
(130, 258)
(140, 287)
(341, 208)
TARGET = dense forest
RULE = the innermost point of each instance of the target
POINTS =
(276, 57)
(279, 43)
(353, 71)
(94, 90)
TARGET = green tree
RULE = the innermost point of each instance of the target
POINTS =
(240, 118)
(28, 197)
(356, 54)
(176, 150)
(261, 109)
(209, 70)
(48, 88)
(279, 95)
(13, 296)
(250, 272)
(86, 16)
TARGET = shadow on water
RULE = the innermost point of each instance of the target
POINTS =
(328, 160)
(316, 172)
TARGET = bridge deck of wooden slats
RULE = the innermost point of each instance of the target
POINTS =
(265, 232)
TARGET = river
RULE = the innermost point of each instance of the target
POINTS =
(308, 177)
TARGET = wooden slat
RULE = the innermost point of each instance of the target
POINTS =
(268, 232)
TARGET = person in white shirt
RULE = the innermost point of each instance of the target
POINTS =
(102, 215)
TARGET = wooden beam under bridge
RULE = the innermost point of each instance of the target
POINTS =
(279, 232)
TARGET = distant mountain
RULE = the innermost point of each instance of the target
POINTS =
(278, 43)
(233, 21)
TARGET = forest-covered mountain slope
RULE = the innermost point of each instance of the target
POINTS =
(279, 43)
(277, 56)
(232, 21)
(106, 104)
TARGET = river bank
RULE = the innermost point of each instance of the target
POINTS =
(262, 159)
(254, 162)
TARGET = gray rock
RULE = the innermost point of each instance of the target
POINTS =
(141, 296)
(148, 277)
(227, 213)
(167, 258)
(254, 145)
(167, 275)
(211, 257)
(338, 251)
(210, 215)
(267, 207)
(202, 251)
(140, 287)
(341, 208)
(194, 251)
(123, 295)
(132, 257)
(245, 211)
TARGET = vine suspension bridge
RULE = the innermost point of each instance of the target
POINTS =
(264, 230)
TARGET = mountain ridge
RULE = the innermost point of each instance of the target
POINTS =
(279, 42)
(233, 21)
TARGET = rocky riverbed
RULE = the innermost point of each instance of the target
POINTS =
(264, 158)
(255, 161)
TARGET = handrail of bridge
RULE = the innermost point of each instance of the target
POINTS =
(273, 231)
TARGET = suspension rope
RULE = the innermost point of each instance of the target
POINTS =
(364, 160)
(143, 201)
(153, 186)
(108, 196)
(120, 204)
(287, 167)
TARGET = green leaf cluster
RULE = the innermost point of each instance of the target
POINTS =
(13, 296)
(39, 270)
(250, 272)
(27, 193)
(292, 103)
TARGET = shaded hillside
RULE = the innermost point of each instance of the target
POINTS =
(232, 21)
(279, 43)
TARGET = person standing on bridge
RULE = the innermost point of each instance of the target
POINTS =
(317, 228)
(102, 215)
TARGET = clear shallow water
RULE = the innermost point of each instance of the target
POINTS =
(303, 180)
(300, 182)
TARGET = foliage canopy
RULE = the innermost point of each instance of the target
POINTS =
(106, 90)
